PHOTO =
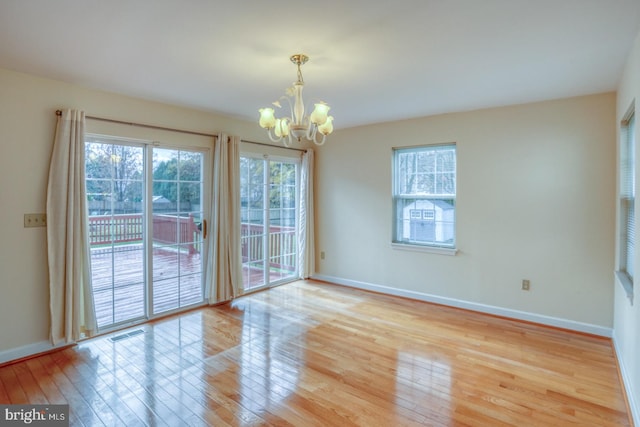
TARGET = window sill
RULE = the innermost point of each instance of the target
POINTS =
(427, 249)
(626, 284)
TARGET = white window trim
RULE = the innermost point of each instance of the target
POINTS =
(622, 277)
(424, 248)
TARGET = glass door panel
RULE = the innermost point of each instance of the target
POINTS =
(268, 216)
(283, 244)
(115, 187)
(253, 233)
(177, 237)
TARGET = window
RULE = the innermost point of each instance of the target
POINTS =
(627, 170)
(429, 215)
(424, 196)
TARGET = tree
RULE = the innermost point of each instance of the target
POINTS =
(179, 177)
(282, 185)
(278, 194)
(113, 172)
(251, 182)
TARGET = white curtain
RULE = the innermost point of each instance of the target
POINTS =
(70, 295)
(306, 243)
(224, 271)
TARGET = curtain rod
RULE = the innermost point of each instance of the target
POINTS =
(121, 122)
(273, 146)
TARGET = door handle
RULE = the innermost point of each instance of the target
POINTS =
(204, 229)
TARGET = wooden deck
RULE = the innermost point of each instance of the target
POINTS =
(118, 281)
(311, 354)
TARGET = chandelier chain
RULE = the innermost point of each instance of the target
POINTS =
(300, 79)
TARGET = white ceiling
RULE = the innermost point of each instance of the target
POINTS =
(371, 61)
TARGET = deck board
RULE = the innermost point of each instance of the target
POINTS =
(118, 282)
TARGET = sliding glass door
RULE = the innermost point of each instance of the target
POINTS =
(145, 227)
(268, 195)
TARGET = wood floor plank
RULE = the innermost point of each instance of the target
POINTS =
(12, 388)
(30, 386)
(4, 395)
(314, 354)
(78, 406)
(138, 380)
(48, 386)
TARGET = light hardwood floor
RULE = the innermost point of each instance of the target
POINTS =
(314, 354)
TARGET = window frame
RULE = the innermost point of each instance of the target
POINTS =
(626, 202)
(399, 228)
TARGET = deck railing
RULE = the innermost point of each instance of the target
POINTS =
(172, 229)
(167, 227)
(117, 228)
(128, 228)
(282, 245)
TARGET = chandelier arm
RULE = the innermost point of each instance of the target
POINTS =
(311, 130)
(272, 137)
(322, 141)
(287, 141)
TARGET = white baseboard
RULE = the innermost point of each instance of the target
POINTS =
(474, 306)
(632, 397)
(26, 351)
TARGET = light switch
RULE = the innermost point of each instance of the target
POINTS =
(35, 220)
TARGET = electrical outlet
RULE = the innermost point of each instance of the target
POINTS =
(526, 285)
(35, 220)
(322, 255)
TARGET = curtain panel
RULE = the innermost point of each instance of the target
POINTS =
(306, 243)
(71, 306)
(224, 271)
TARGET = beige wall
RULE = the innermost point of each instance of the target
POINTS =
(536, 194)
(627, 313)
(27, 123)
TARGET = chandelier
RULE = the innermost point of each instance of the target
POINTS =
(297, 125)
